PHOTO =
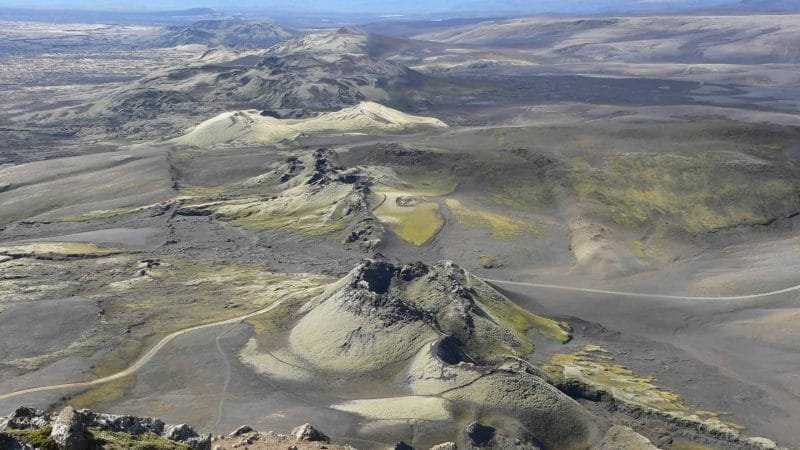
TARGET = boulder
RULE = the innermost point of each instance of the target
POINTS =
(402, 446)
(624, 438)
(179, 433)
(69, 430)
(479, 435)
(308, 433)
(366, 234)
(445, 446)
(186, 435)
(24, 418)
(199, 443)
(132, 425)
(241, 430)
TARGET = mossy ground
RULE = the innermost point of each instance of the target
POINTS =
(519, 320)
(38, 438)
(427, 183)
(416, 224)
(692, 193)
(530, 196)
(597, 367)
(499, 226)
(110, 440)
(65, 249)
(316, 222)
(689, 446)
(100, 214)
(104, 395)
(142, 304)
(594, 365)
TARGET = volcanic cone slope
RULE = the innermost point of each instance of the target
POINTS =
(438, 336)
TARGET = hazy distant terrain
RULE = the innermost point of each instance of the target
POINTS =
(577, 231)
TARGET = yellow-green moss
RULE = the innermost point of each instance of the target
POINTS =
(309, 223)
(689, 446)
(428, 184)
(38, 438)
(500, 226)
(531, 197)
(522, 321)
(416, 224)
(99, 214)
(103, 395)
(149, 441)
(200, 191)
(693, 193)
(56, 248)
(593, 364)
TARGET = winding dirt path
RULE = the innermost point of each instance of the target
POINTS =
(166, 340)
(141, 361)
(634, 294)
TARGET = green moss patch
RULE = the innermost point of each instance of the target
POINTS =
(417, 223)
(103, 395)
(37, 438)
(692, 193)
(500, 226)
(594, 366)
(111, 440)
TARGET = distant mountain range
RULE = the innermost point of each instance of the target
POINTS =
(422, 7)
(770, 5)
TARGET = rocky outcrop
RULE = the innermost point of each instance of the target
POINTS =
(308, 433)
(24, 418)
(478, 436)
(624, 438)
(69, 430)
(135, 426)
(366, 234)
(458, 339)
(445, 446)
(244, 429)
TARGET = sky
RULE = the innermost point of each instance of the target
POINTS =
(377, 6)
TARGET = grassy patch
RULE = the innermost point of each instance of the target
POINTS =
(145, 301)
(100, 214)
(55, 248)
(645, 251)
(693, 193)
(594, 365)
(37, 438)
(500, 226)
(104, 394)
(308, 223)
(181, 293)
(301, 209)
(530, 197)
(428, 184)
(416, 224)
(486, 261)
(689, 446)
(200, 191)
(148, 441)
(521, 320)
(279, 320)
